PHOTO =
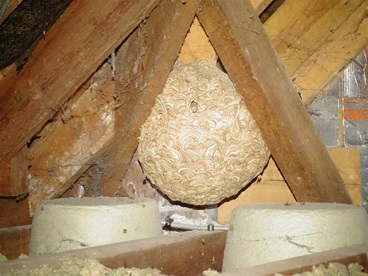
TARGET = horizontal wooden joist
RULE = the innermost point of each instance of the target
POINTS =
(258, 75)
(186, 253)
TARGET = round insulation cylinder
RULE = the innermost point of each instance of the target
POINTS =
(264, 233)
(73, 223)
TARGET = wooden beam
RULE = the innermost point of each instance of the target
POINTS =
(73, 142)
(342, 46)
(15, 241)
(151, 50)
(14, 213)
(260, 5)
(307, 36)
(8, 77)
(69, 53)
(244, 49)
(273, 188)
(355, 254)
(186, 253)
(14, 175)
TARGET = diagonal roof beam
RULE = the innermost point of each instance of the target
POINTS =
(151, 52)
(258, 75)
(74, 47)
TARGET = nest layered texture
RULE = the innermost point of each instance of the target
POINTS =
(200, 144)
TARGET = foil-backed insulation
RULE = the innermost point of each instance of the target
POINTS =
(364, 176)
(342, 108)
(347, 94)
(324, 114)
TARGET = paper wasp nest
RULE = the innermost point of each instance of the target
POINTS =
(200, 144)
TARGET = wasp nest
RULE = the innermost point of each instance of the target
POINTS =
(200, 144)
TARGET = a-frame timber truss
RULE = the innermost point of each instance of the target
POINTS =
(57, 68)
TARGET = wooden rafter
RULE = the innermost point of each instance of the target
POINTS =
(76, 139)
(153, 48)
(133, 112)
(317, 39)
(73, 48)
(258, 75)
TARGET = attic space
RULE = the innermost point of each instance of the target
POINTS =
(183, 137)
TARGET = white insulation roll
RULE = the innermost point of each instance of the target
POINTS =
(74, 223)
(265, 233)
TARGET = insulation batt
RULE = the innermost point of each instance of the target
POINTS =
(200, 145)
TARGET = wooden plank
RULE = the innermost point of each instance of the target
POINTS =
(261, 192)
(244, 49)
(14, 241)
(269, 191)
(186, 253)
(197, 45)
(299, 27)
(14, 175)
(347, 255)
(347, 161)
(151, 50)
(273, 188)
(14, 213)
(8, 77)
(43, 89)
(324, 65)
(304, 40)
(83, 131)
(260, 5)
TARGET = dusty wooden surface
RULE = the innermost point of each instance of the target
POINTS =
(260, 5)
(186, 253)
(73, 141)
(14, 241)
(346, 256)
(14, 175)
(246, 53)
(8, 77)
(14, 213)
(43, 89)
(343, 45)
(300, 32)
(308, 26)
(273, 188)
(152, 50)
(312, 36)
